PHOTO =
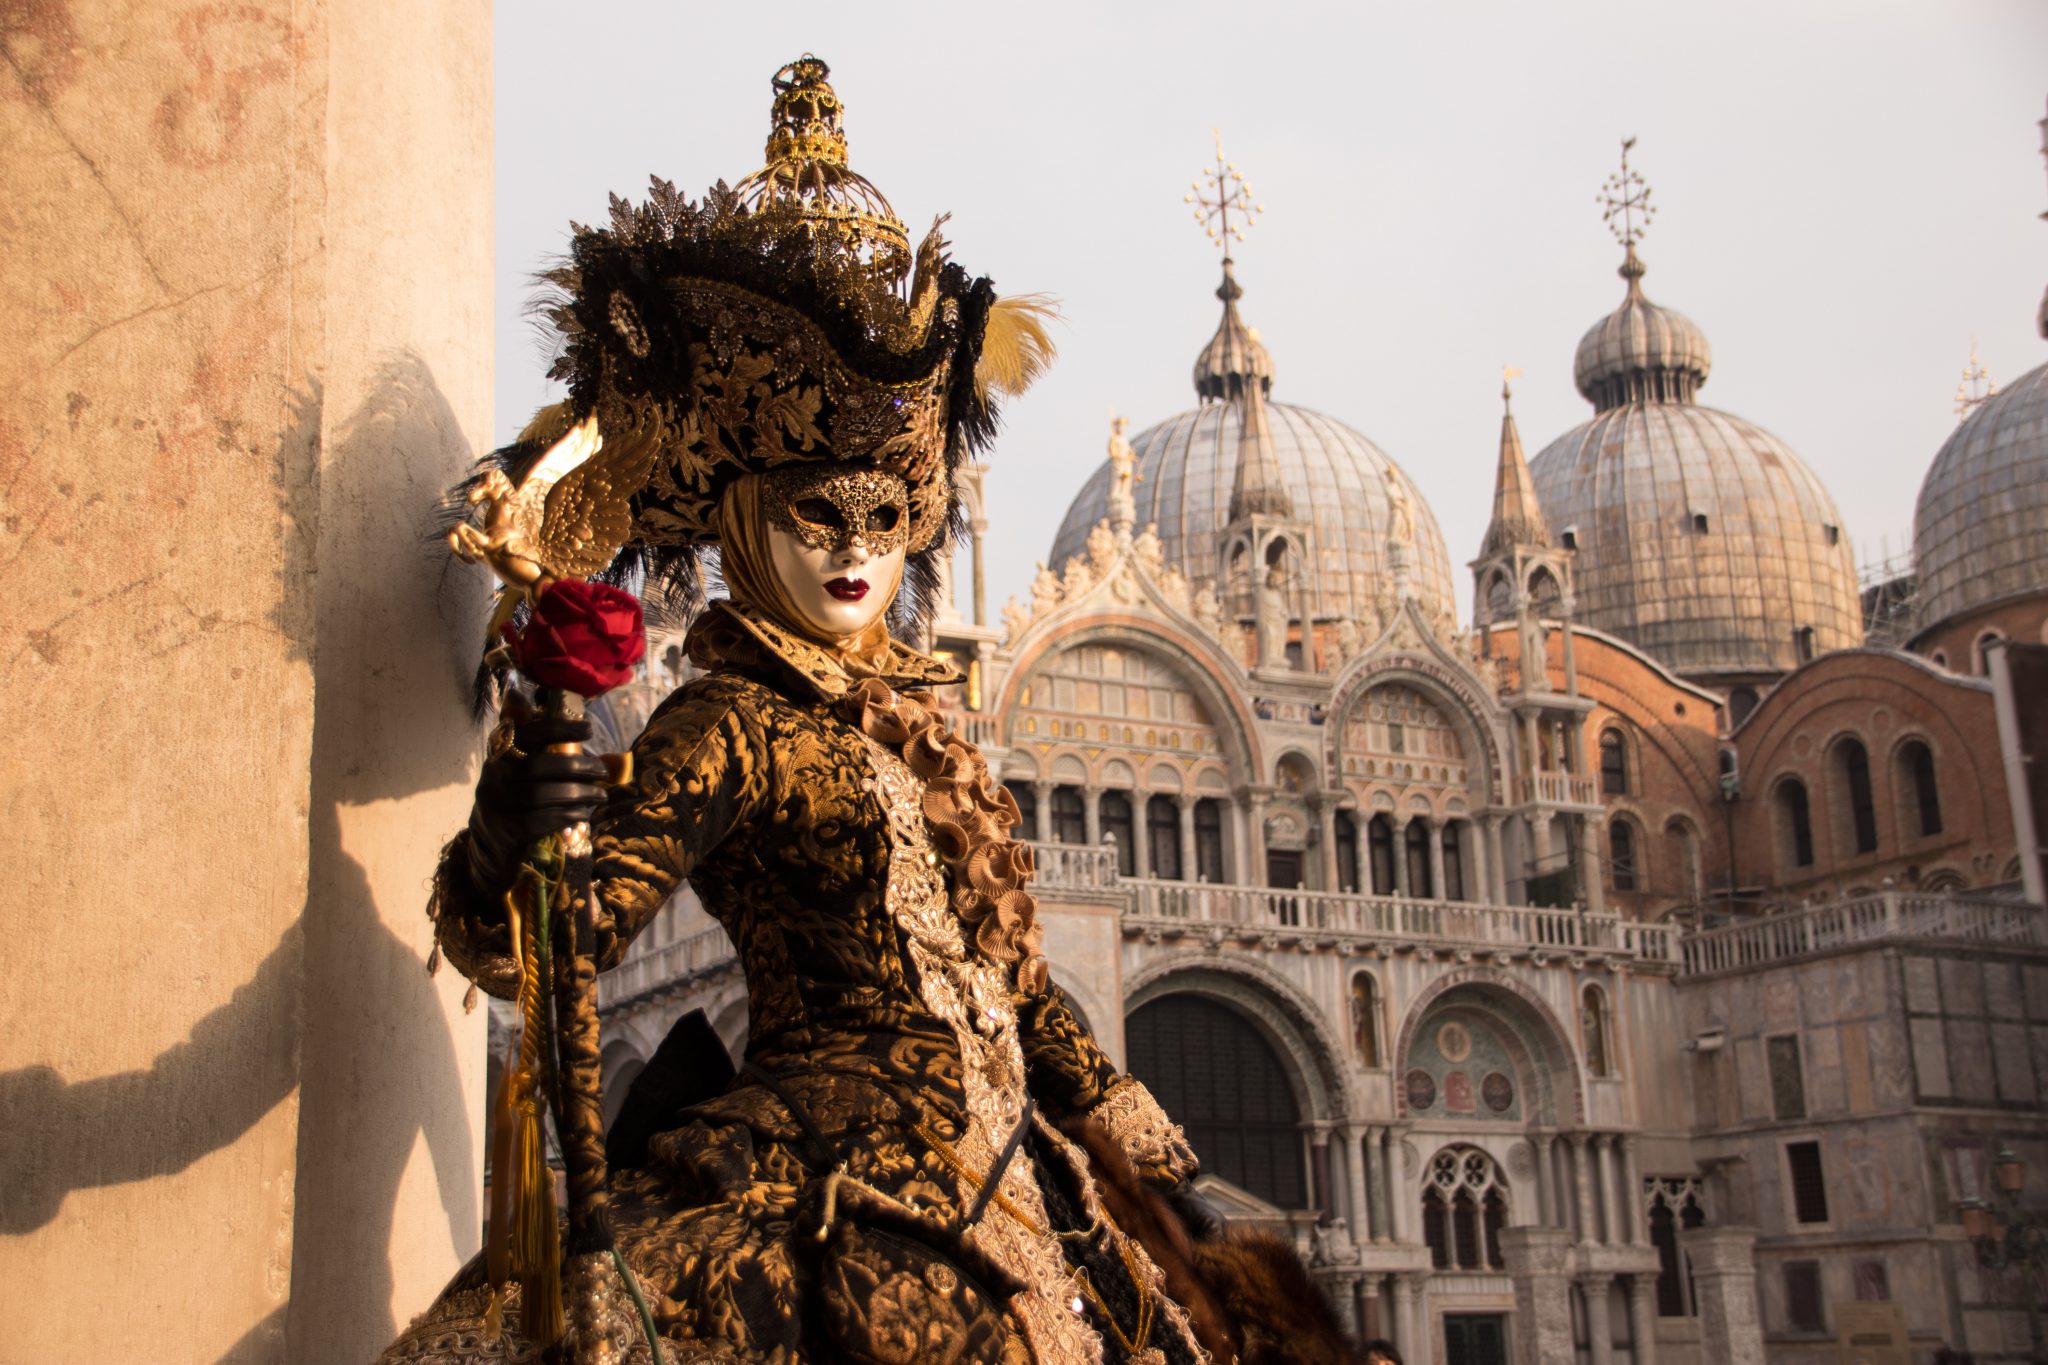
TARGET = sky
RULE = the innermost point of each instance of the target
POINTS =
(1848, 194)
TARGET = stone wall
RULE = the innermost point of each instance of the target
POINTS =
(247, 251)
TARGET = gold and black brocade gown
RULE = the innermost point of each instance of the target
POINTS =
(909, 1052)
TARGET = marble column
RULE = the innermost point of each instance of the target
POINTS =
(1599, 1331)
(1546, 1177)
(1642, 1317)
(1436, 859)
(1402, 1214)
(1633, 1221)
(1254, 873)
(1610, 1207)
(1091, 815)
(1376, 1183)
(1582, 1179)
(1497, 844)
(1141, 836)
(1592, 873)
(1360, 1202)
(1041, 818)
(1724, 1287)
(976, 530)
(1188, 870)
(1373, 1320)
(1319, 1163)
(1405, 1334)
(1537, 1260)
(1400, 824)
(1326, 823)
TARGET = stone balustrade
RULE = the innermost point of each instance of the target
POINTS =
(1885, 917)
(646, 971)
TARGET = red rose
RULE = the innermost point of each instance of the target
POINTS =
(582, 638)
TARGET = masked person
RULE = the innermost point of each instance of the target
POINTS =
(918, 1159)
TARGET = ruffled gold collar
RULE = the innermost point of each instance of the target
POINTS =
(729, 631)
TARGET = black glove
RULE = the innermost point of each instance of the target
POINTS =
(525, 794)
(1202, 1219)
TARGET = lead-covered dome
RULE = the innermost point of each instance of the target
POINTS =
(1700, 537)
(1355, 501)
(1980, 527)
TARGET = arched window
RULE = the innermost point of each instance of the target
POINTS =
(1224, 1084)
(1621, 853)
(1741, 702)
(1162, 833)
(1416, 841)
(1346, 827)
(1379, 839)
(1069, 819)
(1464, 1207)
(1454, 861)
(1674, 1208)
(1594, 1027)
(1853, 766)
(1365, 1018)
(1117, 824)
(1613, 764)
(1209, 840)
(1916, 775)
(1027, 810)
(1980, 652)
(1796, 822)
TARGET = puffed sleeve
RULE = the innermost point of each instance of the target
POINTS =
(1069, 1073)
(699, 773)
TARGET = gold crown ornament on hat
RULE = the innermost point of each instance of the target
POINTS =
(784, 320)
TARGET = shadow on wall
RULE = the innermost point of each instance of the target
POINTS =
(340, 1000)
(390, 721)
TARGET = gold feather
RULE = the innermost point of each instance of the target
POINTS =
(1016, 349)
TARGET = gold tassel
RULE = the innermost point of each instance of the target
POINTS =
(494, 1316)
(532, 1249)
(1016, 349)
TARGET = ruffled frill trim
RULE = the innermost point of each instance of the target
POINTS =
(970, 818)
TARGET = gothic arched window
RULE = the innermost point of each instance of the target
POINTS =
(1027, 810)
(1416, 845)
(1454, 860)
(1221, 1080)
(1464, 1207)
(1346, 827)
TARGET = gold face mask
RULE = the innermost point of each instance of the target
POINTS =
(832, 507)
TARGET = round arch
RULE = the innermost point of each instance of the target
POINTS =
(1291, 1022)
(1456, 697)
(1527, 1018)
(1222, 698)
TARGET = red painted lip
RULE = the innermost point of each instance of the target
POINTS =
(847, 589)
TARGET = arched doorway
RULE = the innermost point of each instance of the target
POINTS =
(1219, 1078)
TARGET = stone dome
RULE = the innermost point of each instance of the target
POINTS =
(1342, 484)
(1980, 527)
(1700, 538)
(1641, 350)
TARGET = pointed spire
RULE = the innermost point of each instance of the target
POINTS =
(1517, 516)
(1259, 488)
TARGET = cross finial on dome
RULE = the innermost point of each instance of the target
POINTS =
(1975, 386)
(1218, 194)
(1626, 209)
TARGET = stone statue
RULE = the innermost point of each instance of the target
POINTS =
(1045, 590)
(1273, 617)
(1015, 618)
(1123, 476)
(1349, 640)
(1208, 609)
(1150, 551)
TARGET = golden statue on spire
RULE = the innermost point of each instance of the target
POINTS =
(1625, 201)
(1221, 195)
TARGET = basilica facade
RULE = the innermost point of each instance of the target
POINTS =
(1651, 969)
